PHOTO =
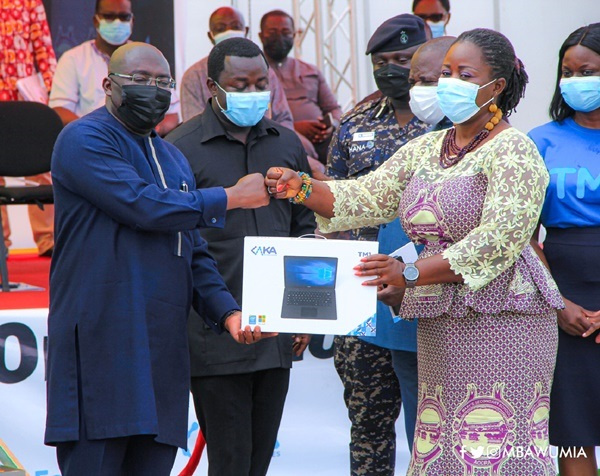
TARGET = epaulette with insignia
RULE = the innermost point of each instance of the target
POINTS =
(373, 101)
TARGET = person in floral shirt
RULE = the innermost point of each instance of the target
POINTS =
(26, 48)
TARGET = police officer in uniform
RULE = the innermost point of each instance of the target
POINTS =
(368, 135)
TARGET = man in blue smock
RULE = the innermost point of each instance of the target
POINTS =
(128, 264)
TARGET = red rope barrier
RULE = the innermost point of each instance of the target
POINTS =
(195, 457)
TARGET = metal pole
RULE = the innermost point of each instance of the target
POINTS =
(298, 24)
(497, 15)
(319, 35)
(353, 52)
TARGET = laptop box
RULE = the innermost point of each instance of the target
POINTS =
(307, 285)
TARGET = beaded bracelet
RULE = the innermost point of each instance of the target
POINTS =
(305, 191)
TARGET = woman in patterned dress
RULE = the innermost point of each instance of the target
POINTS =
(486, 304)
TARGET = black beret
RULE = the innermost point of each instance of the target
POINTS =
(397, 33)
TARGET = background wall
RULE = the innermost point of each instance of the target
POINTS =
(536, 28)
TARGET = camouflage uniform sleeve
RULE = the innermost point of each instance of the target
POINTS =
(337, 158)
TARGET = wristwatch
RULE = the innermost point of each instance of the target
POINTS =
(411, 274)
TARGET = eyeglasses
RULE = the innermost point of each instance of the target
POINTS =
(146, 80)
(124, 17)
(434, 17)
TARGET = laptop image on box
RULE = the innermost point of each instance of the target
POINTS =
(309, 287)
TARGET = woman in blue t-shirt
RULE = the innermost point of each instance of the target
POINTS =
(570, 146)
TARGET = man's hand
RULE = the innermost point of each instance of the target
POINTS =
(301, 341)
(315, 131)
(317, 169)
(233, 324)
(390, 295)
(249, 192)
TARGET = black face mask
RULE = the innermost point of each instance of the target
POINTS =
(143, 107)
(392, 81)
(278, 47)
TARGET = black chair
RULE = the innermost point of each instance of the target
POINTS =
(28, 131)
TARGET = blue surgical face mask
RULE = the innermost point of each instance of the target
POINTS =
(437, 28)
(245, 109)
(114, 32)
(225, 35)
(582, 93)
(457, 99)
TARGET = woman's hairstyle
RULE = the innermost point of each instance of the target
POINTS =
(588, 36)
(445, 4)
(499, 54)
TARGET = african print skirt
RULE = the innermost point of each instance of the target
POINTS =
(484, 388)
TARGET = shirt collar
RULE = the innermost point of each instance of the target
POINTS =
(212, 126)
(103, 55)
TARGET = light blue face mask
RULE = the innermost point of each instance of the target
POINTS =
(582, 93)
(437, 28)
(245, 109)
(457, 99)
(114, 32)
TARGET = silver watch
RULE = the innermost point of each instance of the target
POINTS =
(411, 274)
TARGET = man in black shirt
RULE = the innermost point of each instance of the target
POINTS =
(239, 391)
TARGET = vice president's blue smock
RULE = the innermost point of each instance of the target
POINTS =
(127, 264)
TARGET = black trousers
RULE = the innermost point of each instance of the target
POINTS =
(239, 416)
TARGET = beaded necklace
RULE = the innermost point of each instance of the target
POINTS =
(451, 154)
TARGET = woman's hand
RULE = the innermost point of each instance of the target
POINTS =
(593, 319)
(282, 182)
(387, 270)
(572, 319)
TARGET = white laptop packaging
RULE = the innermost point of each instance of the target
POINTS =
(307, 285)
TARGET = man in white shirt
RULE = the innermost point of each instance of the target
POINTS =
(224, 23)
(77, 87)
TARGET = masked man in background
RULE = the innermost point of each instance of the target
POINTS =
(373, 370)
(77, 88)
(224, 23)
(239, 392)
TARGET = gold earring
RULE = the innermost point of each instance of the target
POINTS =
(496, 118)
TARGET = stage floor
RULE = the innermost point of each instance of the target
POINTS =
(314, 432)
(27, 268)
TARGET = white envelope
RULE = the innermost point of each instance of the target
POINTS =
(33, 88)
